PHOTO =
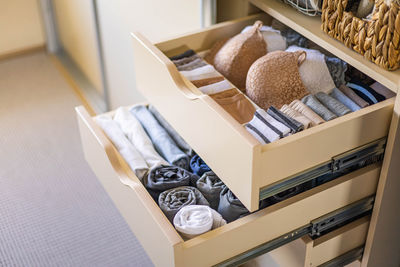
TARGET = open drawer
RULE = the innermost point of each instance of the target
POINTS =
(236, 239)
(308, 252)
(248, 168)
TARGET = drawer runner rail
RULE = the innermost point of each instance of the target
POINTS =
(356, 157)
(314, 228)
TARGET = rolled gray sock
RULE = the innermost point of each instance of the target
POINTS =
(332, 104)
(318, 107)
(229, 206)
(210, 186)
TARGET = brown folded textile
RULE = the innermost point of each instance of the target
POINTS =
(306, 111)
(236, 104)
(381, 89)
(207, 81)
(294, 114)
(353, 96)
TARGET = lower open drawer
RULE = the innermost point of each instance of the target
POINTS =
(160, 239)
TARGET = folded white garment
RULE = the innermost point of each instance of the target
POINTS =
(216, 87)
(204, 72)
(132, 128)
(194, 220)
(275, 41)
(130, 154)
(314, 72)
(265, 128)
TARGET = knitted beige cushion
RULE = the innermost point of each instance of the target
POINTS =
(274, 79)
(235, 57)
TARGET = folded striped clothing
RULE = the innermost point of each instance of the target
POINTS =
(365, 92)
(265, 128)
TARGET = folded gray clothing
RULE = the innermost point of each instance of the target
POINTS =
(162, 142)
(332, 104)
(185, 60)
(164, 177)
(291, 123)
(187, 53)
(318, 107)
(172, 200)
(337, 69)
(197, 63)
(210, 186)
(229, 206)
(185, 147)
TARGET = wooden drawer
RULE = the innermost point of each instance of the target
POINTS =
(165, 246)
(306, 252)
(244, 165)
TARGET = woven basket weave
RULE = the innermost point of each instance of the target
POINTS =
(377, 39)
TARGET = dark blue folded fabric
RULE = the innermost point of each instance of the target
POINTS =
(198, 166)
(187, 53)
(365, 92)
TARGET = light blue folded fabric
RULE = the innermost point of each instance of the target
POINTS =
(162, 142)
(339, 96)
(361, 89)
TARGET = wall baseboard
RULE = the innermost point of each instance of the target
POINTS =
(21, 52)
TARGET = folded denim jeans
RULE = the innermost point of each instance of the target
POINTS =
(198, 166)
(210, 186)
(162, 141)
(230, 207)
(172, 200)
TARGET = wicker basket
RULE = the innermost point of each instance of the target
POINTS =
(377, 39)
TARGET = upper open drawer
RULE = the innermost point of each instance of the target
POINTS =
(248, 168)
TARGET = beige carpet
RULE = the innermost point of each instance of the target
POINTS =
(53, 211)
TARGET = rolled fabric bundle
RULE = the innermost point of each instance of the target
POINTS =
(294, 114)
(163, 178)
(339, 96)
(185, 147)
(210, 186)
(318, 107)
(332, 104)
(230, 207)
(289, 122)
(198, 166)
(187, 53)
(197, 63)
(185, 60)
(215, 88)
(208, 81)
(160, 138)
(306, 111)
(130, 154)
(194, 220)
(172, 200)
(132, 128)
(204, 72)
(381, 89)
(337, 69)
(353, 96)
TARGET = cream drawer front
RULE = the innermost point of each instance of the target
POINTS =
(165, 246)
(244, 165)
(306, 252)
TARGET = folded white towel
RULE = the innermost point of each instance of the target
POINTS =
(194, 220)
(275, 41)
(132, 128)
(216, 87)
(204, 72)
(130, 154)
(314, 72)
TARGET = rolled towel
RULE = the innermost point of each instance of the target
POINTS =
(198, 166)
(265, 128)
(230, 207)
(318, 107)
(353, 96)
(217, 87)
(275, 41)
(187, 53)
(294, 114)
(365, 92)
(185, 60)
(194, 220)
(163, 178)
(208, 81)
(337, 69)
(381, 89)
(314, 72)
(210, 186)
(332, 104)
(339, 96)
(185, 147)
(132, 128)
(306, 111)
(204, 72)
(160, 138)
(172, 200)
(130, 154)
(289, 122)
(197, 63)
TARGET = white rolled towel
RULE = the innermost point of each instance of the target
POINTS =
(132, 128)
(216, 87)
(194, 220)
(130, 154)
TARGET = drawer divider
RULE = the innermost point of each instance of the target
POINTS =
(347, 258)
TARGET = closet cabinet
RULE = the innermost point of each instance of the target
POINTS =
(253, 171)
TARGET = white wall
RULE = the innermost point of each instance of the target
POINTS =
(77, 34)
(156, 19)
(20, 25)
